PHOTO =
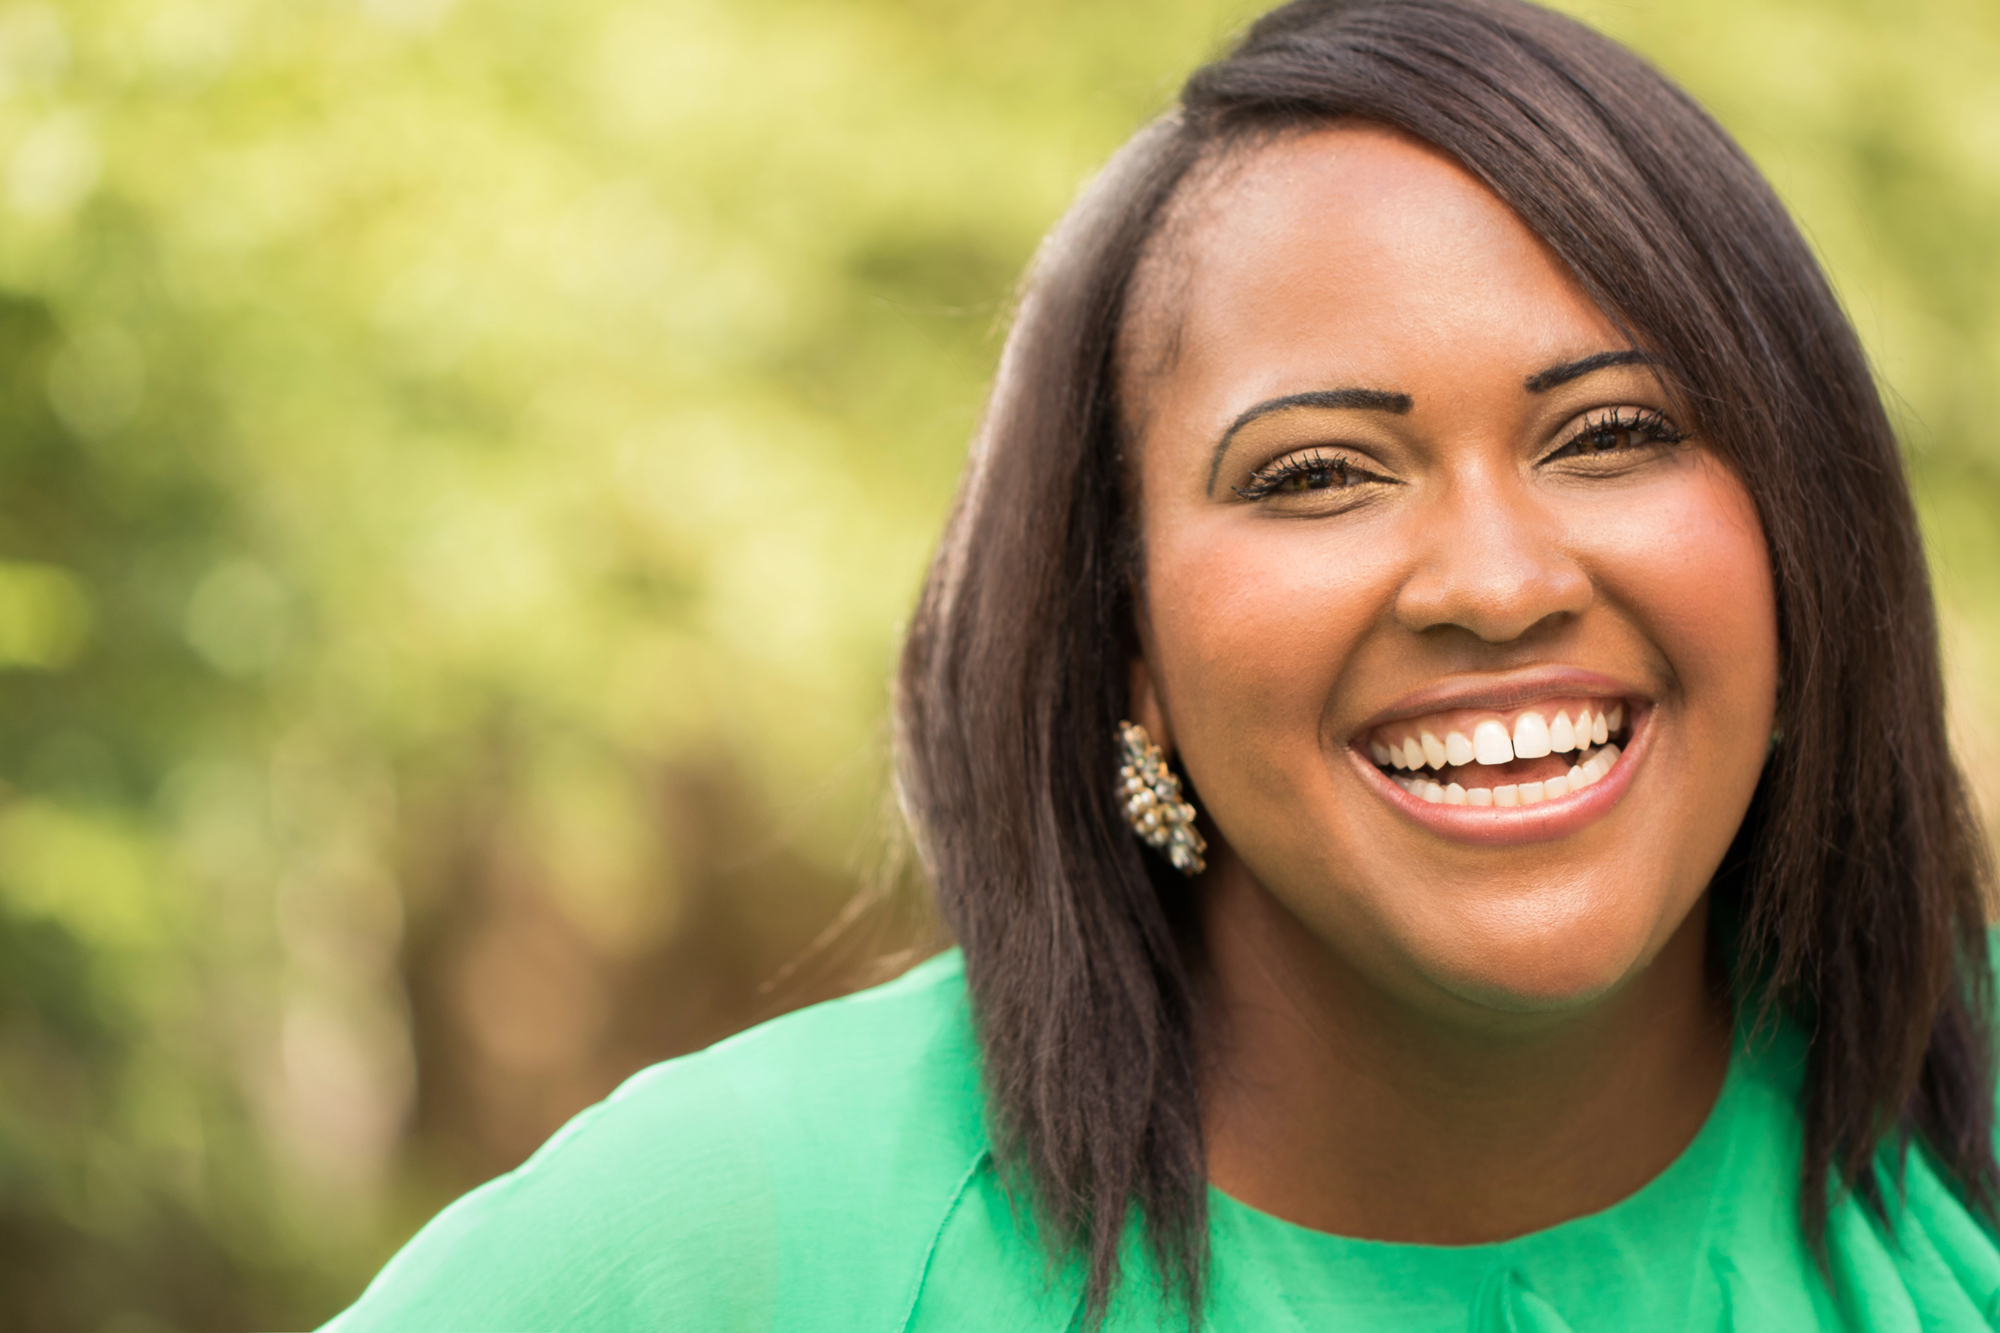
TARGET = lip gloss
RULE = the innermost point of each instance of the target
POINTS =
(1545, 821)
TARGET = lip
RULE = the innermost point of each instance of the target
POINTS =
(1516, 689)
(1547, 821)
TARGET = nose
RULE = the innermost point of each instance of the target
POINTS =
(1491, 561)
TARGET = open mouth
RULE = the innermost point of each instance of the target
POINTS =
(1486, 758)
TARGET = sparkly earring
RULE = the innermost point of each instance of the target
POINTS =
(1153, 804)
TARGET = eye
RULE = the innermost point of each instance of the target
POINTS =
(1619, 431)
(1303, 473)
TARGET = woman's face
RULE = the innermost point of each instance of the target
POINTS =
(1469, 651)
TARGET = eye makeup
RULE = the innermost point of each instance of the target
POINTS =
(1613, 433)
(1618, 430)
(1316, 470)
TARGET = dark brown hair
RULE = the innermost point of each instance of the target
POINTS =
(1856, 882)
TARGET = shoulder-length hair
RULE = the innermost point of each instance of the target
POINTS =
(1857, 878)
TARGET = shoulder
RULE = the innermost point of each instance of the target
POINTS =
(793, 1176)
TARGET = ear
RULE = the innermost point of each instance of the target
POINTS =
(1144, 707)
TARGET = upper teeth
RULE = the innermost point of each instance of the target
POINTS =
(1419, 745)
(1490, 743)
(1581, 775)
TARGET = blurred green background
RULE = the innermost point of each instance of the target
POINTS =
(462, 469)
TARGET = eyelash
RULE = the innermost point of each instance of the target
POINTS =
(1650, 425)
(1272, 477)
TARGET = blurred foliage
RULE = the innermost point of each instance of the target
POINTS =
(462, 468)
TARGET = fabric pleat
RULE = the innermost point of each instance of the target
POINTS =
(1506, 1305)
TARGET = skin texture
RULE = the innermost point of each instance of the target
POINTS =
(1419, 1036)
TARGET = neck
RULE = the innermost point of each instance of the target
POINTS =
(1334, 1107)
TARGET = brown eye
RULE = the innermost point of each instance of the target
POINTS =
(1317, 477)
(1627, 430)
(1299, 476)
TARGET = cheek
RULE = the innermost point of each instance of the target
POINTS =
(1253, 631)
(1695, 574)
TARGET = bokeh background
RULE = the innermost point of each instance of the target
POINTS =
(462, 471)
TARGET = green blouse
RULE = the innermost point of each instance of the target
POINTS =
(830, 1171)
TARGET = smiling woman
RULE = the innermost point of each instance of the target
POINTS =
(1425, 724)
(1492, 534)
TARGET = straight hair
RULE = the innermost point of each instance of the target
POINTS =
(1856, 884)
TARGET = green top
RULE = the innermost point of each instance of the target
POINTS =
(829, 1171)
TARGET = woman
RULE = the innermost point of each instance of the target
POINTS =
(1433, 446)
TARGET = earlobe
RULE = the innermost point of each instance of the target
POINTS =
(1143, 705)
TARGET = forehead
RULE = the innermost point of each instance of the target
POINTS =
(1352, 255)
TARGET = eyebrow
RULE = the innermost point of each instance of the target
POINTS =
(1557, 376)
(1381, 400)
(1367, 400)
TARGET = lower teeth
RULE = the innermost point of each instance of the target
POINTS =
(1591, 767)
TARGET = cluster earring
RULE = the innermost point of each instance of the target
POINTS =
(1153, 805)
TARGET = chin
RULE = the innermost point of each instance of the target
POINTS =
(1552, 954)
